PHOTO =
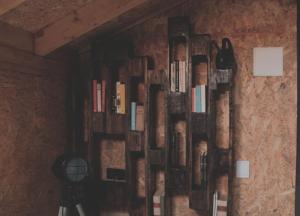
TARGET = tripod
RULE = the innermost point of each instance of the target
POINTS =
(71, 199)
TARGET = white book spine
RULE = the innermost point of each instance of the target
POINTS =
(118, 97)
(98, 97)
(203, 98)
(172, 77)
(183, 77)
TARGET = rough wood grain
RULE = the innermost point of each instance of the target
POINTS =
(7, 5)
(31, 137)
(15, 37)
(80, 22)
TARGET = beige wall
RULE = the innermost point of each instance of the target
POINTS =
(265, 107)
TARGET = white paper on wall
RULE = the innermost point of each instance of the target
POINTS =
(242, 169)
(268, 61)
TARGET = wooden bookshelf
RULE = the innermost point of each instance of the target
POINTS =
(156, 148)
(202, 128)
(138, 69)
(168, 148)
(178, 106)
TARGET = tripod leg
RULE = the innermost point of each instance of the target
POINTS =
(80, 210)
(63, 211)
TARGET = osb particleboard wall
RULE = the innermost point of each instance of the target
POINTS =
(265, 107)
(33, 132)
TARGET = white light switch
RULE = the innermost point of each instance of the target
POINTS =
(268, 61)
(242, 169)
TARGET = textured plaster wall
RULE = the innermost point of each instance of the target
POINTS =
(265, 107)
(33, 133)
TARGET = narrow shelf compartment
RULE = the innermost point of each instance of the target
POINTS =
(178, 143)
(117, 88)
(136, 90)
(199, 162)
(137, 186)
(157, 116)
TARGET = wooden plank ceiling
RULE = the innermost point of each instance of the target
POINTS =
(7, 5)
(55, 23)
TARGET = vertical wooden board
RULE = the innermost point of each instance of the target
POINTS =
(222, 116)
(140, 169)
(160, 116)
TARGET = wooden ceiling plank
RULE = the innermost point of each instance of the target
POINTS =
(81, 22)
(15, 37)
(7, 5)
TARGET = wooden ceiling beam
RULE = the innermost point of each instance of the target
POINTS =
(7, 5)
(15, 37)
(80, 22)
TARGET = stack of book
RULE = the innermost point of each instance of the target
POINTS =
(119, 100)
(137, 117)
(158, 203)
(178, 76)
(199, 99)
(99, 95)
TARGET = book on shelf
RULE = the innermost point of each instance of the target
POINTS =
(120, 99)
(140, 117)
(94, 95)
(159, 203)
(133, 116)
(98, 97)
(199, 99)
(137, 117)
(219, 206)
(103, 93)
(178, 76)
(98, 88)
(215, 198)
(118, 96)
